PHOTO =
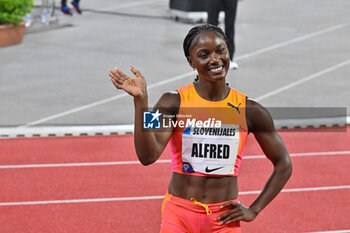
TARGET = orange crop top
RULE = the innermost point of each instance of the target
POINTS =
(209, 136)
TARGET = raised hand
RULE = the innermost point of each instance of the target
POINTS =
(135, 87)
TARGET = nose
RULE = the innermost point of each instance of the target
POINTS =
(214, 58)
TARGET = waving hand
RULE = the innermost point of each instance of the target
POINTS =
(135, 87)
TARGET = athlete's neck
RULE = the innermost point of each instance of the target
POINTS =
(212, 91)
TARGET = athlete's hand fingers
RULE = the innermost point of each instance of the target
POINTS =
(116, 84)
(233, 210)
(231, 204)
(118, 76)
(239, 213)
(121, 76)
(236, 219)
(114, 75)
(136, 73)
(115, 80)
(232, 215)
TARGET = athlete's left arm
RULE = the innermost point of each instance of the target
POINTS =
(260, 123)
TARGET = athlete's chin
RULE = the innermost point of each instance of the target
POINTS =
(218, 77)
(209, 76)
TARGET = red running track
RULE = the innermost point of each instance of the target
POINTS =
(302, 210)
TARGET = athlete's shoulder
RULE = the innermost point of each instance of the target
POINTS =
(253, 104)
(258, 117)
(169, 100)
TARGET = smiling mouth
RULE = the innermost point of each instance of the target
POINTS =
(218, 69)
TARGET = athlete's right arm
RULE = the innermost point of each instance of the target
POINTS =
(149, 145)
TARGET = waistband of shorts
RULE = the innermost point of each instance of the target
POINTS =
(195, 205)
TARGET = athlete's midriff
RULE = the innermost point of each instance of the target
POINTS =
(204, 189)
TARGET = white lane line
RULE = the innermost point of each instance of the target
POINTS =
(97, 103)
(159, 161)
(308, 78)
(301, 189)
(336, 231)
(157, 197)
(80, 200)
(81, 108)
(77, 164)
(182, 76)
(302, 154)
(295, 40)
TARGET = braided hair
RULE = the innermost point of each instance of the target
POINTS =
(197, 30)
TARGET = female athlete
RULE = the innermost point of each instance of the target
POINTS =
(207, 150)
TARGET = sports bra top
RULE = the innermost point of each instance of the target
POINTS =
(209, 136)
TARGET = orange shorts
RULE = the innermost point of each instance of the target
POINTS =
(184, 216)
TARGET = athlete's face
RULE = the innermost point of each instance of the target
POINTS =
(210, 56)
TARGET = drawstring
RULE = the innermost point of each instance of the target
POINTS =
(206, 207)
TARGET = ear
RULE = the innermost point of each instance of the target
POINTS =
(189, 60)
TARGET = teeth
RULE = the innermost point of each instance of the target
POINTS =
(217, 69)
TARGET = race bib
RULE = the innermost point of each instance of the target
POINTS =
(210, 150)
